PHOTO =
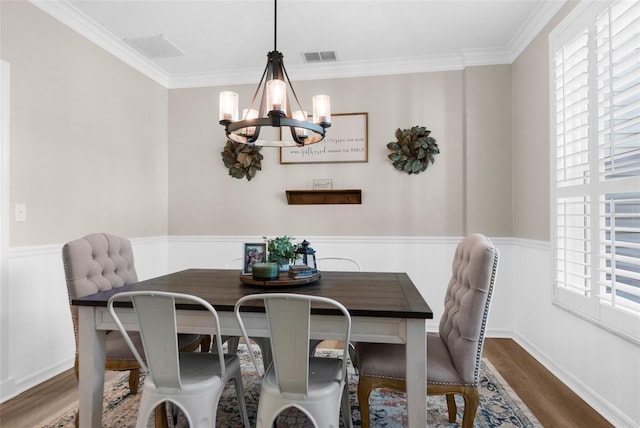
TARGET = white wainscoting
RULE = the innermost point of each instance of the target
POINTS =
(37, 328)
(601, 367)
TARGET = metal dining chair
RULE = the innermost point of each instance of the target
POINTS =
(315, 385)
(193, 381)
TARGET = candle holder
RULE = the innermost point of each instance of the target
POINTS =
(265, 271)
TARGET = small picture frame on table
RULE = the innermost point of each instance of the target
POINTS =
(252, 253)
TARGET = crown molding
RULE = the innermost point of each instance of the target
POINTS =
(336, 70)
(64, 12)
(536, 22)
(476, 57)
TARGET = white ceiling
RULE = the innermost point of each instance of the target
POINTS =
(226, 42)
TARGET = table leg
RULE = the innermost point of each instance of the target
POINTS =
(417, 373)
(91, 357)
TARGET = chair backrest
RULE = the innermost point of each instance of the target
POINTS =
(338, 264)
(289, 322)
(466, 304)
(97, 262)
(156, 315)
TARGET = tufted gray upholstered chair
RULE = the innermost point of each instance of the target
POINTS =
(100, 262)
(454, 353)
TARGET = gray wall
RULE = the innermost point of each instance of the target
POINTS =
(530, 147)
(467, 189)
(88, 135)
(488, 150)
(224, 205)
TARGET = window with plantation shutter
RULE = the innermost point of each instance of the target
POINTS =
(595, 134)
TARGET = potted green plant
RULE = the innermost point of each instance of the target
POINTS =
(281, 250)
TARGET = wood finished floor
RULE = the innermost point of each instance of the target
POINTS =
(549, 400)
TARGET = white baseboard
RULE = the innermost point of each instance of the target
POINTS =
(591, 397)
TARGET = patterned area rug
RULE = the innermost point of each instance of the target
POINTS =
(499, 404)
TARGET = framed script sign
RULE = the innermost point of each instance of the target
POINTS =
(345, 141)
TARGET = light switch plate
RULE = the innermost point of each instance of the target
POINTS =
(21, 212)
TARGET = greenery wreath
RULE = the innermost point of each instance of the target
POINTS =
(243, 160)
(413, 150)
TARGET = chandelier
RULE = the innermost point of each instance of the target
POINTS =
(275, 108)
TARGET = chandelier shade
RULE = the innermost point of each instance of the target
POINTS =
(274, 110)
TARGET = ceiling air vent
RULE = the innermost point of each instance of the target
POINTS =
(325, 56)
(155, 47)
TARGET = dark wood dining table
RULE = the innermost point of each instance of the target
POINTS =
(385, 307)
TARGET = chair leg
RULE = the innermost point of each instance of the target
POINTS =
(237, 380)
(205, 343)
(471, 401)
(346, 406)
(352, 356)
(232, 342)
(364, 390)
(452, 408)
(134, 379)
